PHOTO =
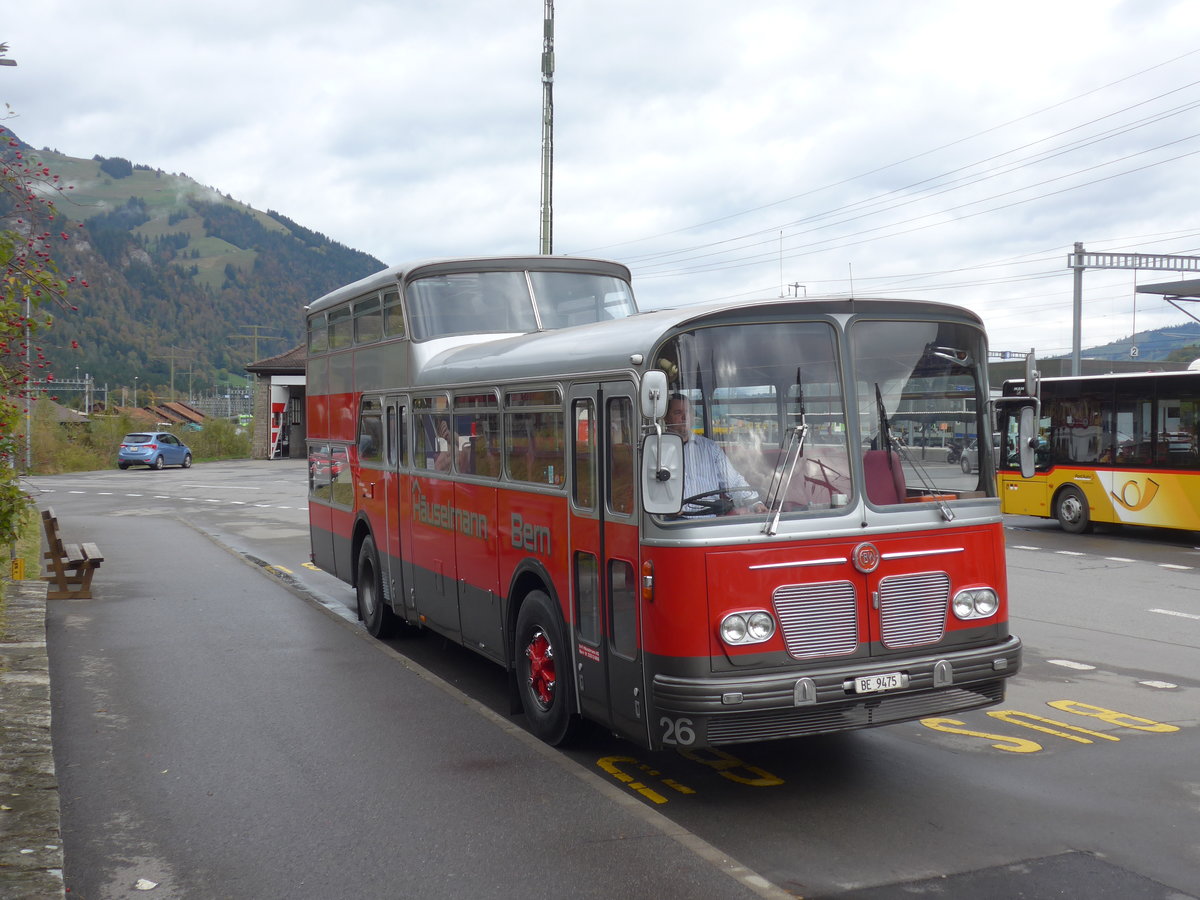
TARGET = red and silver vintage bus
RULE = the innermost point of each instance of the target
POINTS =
(698, 526)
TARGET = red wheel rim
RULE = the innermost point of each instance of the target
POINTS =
(541, 668)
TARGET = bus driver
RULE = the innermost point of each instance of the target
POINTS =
(707, 471)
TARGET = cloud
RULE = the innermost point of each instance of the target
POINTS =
(937, 150)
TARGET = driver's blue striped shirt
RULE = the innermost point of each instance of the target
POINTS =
(706, 468)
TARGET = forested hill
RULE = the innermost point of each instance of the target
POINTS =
(177, 271)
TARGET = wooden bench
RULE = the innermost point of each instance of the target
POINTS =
(69, 567)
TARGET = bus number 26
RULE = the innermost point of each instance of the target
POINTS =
(677, 731)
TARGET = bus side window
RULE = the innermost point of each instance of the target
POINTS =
(395, 436)
(620, 455)
(622, 589)
(431, 434)
(587, 594)
(370, 432)
(583, 482)
(534, 449)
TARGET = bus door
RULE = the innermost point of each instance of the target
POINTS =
(397, 535)
(604, 545)
(476, 434)
(1019, 496)
(430, 571)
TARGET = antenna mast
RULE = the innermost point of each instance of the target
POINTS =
(547, 238)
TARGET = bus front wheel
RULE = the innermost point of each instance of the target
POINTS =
(543, 667)
(1072, 511)
(376, 615)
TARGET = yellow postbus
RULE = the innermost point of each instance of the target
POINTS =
(1110, 448)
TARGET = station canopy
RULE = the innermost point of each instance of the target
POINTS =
(1186, 289)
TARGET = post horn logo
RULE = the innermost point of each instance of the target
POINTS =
(1134, 497)
(866, 558)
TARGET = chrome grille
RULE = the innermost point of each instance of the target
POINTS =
(818, 619)
(912, 609)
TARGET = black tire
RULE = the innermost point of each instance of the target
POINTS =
(543, 666)
(1072, 511)
(158, 462)
(376, 615)
(122, 465)
(965, 464)
(187, 461)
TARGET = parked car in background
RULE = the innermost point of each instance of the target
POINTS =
(155, 449)
(970, 456)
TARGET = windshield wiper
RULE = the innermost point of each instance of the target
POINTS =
(785, 469)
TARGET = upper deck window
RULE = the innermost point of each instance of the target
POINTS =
(340, 333)
(318, 334)
(500, 302)
(393, 315)
(470, 303)
(368, 321)
(574, 298)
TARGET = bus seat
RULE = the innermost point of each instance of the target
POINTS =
(884, 478)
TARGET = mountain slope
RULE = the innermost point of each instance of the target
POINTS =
(179, 275)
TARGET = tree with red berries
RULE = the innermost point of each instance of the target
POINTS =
(30, 287)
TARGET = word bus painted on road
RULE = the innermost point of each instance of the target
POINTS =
(695, 526)
(1119, 448)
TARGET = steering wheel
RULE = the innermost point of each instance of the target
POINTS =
(720, 505)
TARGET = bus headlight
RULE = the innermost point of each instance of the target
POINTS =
(976, 603)
(752, 627)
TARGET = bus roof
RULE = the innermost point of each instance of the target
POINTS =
(610, 346)
(1012, 385)
(402, 274)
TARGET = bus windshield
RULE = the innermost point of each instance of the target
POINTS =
(745, 389)
(740, 391)
(917, 387)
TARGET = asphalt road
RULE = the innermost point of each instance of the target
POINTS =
(224, 728)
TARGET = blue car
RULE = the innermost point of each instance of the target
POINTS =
(153, 448)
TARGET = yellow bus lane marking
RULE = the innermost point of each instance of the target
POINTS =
(1012, 744)
(610, 765)
(726, 765)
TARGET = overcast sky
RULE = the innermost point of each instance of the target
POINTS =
(934, 149)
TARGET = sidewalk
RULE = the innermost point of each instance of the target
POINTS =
(31, 858)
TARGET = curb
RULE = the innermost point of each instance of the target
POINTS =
(31, 855)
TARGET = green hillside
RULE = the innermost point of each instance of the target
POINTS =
(177, 271)
(1177, 343)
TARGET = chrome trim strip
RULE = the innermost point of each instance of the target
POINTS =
(833, 560)
(910, 554)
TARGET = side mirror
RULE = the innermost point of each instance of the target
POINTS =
(654, 394)
(662, 473)
(1027, 440)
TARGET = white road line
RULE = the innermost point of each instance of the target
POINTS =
(1171, 612)
(1069, 553)
(1023, 547)
(1174, 566)
(1070, 664)
(1161, 685)
(1118, 559)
